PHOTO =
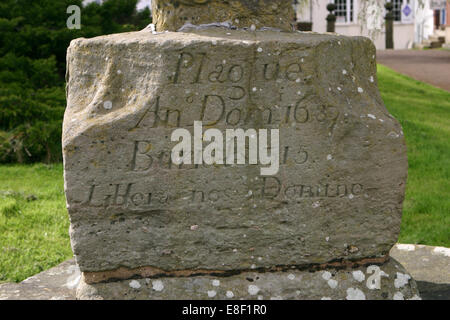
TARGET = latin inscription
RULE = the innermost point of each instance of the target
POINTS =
(233, 106)
(126, 196)
(144, 158)
(214, 111)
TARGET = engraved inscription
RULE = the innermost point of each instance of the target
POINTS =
(127, 196)
(228, 99)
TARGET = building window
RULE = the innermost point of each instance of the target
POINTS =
(397, 9)
(344, 11)
(402, 11)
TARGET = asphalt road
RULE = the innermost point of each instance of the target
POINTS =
(431, 66)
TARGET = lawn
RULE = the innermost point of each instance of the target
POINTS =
(34, 222)
(424, 112)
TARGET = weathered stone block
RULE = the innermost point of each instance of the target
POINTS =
(339, 190)
(174, 14)
(386, 282)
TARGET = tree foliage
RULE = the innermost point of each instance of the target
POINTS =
(33, 43)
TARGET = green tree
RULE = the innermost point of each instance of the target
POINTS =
(33, 43)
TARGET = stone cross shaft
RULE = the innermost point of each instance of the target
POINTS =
(171, 15)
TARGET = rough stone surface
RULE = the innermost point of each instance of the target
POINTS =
(427, 264)
(351, 284)
(174, 14)
(58, 283)
(337, 196)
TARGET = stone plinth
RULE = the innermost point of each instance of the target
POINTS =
(388, 281)
(173, 14)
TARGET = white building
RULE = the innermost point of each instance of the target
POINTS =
(413, 23)
(141, 3)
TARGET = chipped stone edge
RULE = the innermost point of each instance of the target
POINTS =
(121, 289)
(124, 273)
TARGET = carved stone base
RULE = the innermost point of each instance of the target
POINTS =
(372, 282)
(340, 187)
(173, 14)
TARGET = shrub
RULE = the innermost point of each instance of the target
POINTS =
(33, 43)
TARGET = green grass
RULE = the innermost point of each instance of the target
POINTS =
(424, 112)
(34, 222)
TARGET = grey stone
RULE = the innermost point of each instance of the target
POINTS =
(332, 284)
(58, 283)
(429, 266)
(337, 196)
(173, 14)
(425, 263)
(432, 282)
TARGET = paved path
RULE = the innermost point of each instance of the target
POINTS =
(431, 66)
(58, 283)
(429, 266)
